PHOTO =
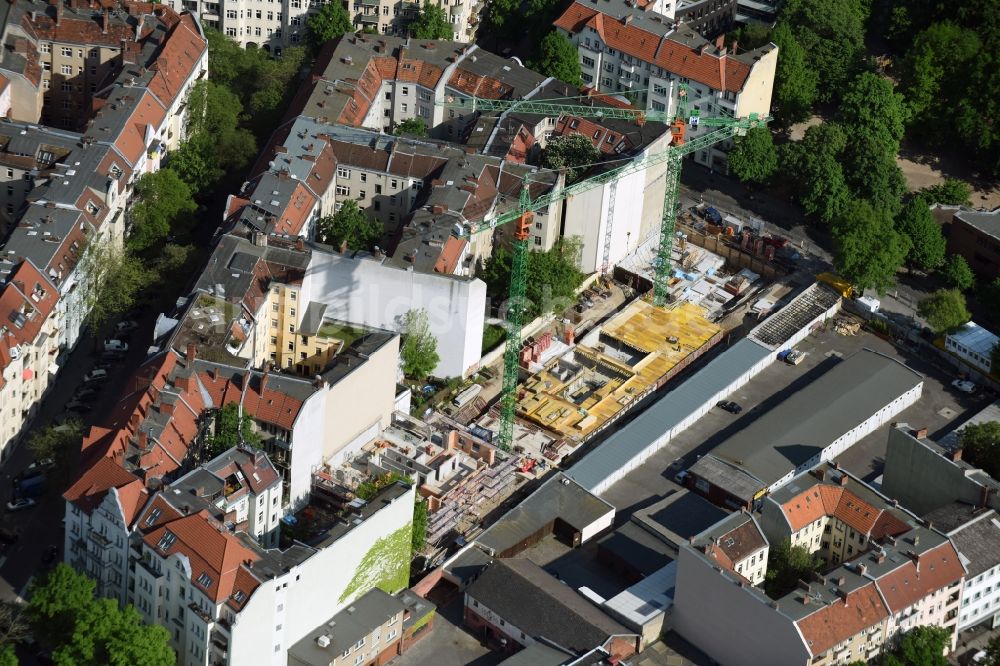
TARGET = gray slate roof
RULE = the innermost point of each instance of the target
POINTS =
(978, 543)
(537, 654)
(667, 412)
(678, 517)
(559, 498)
(524, 595)
(804, 423)
(987, 222)
(346, 628)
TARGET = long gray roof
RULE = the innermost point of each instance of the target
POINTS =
(987, 222)
(346, 628)
(979, 544)
(808, 420)
(667, 412)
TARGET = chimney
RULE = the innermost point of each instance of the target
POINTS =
(166, 408)
(105, 19)
(836, 465)
(840, 580)
(843, 479)
(733, 49)
(920, 433)
(880, 557)
(955, 454)
(720, 42)
(319, 382)
(59, 10)
(142, 438)
(984, 496)
(843, 595)
(192, 352)
(343, 247)
(806, 600)
(862, 569)
(819, 473)
(263, 378)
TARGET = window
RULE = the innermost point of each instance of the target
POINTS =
(404, 107)
(364, 177)
(291, 312)
(274, 339)
(66, 69)
(66, 87)
(46, 48)
(361, 194)
(274, 323)
(343, 172)
(66, 52)
(343, 191)
(588, 62)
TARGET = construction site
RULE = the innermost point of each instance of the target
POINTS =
(581, 391)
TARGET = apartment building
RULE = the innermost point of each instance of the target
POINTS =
(369, 631)
(899, 574)
(645, 56)
(737, 544)
(975, 531)
(975, 235)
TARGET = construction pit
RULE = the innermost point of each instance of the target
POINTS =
(580, 392)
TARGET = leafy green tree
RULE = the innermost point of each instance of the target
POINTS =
(419, 525)
(330, 22)
(215, 113)
(749, 36)
(55, 600)
(557, 57)
(981, 445)
(813, 164)
(921, 646)
(795, 81)
(754, 158)
(369, 488)
(927, 243)
(161, 203)
(944, 310)
(571, 152)
(952, 192)
(175, 262)
(411, 127)
(871, 104)
(54, 441)
(552, 276)
(105, 634)
(350, 224)
(431, 23)
(786, 566)
(868, 250)
(114, 278)
(992, 653)
(832, 36)
(418, 350)
(503, 18)
(230, 428)
(957, 273)
(7, 656)
(13, 627)
(938, 53)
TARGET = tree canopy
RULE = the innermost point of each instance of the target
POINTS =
(754, 158)
(230, 428)
(162, 203)
(350, 224)
(795, 81)
(814, 166)
(832, 36)
(330, 22)
(927, 243)
(431, 23)
(920, 646)
(786, 565)
(79, 629)
(418, 350)
(552, 277)
(957, 273)
(558, 58)
(868, 249)
(411, 127)
(570, 152)
(944, 310)
(114, 278)
(952, 192)
(981, 446)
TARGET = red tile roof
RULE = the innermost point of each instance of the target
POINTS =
(211, 550)
(839, 502)
(177, 60)
(292, 219)
(28, 297)
(836, 622)
(479, 85)
(718, 72)
(448, 260)
(92, 487)
(921, 575)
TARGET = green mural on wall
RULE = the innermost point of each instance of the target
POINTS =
(386, 565)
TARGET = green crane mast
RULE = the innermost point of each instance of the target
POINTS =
(725, 128)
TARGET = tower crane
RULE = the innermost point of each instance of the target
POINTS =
(523, 214)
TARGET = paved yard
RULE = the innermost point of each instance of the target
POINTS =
(448, 644)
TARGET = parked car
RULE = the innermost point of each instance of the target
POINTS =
(95, 375)
(78, 406)
(37, 467)
(729, 406)
(963, 385)
(85, 393)
(115, 345)
(126, 326)
(680, 477)
(29, 487)
(20, 504)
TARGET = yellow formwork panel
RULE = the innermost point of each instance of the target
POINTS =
(662, 338)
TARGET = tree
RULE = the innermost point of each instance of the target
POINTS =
(749, 36)
(215, 121)
(937, 54)
(7, 655)
(944, 310)
(161, 203)
(927, 243)
(13, 624)
(754, 158)
(786, 566)
(989, 295)
(113, 278)
(957, 273)
(503, 18)
(981, 445)
(350, 224)
(418, 351)
(921, 646)
(369, 488)
(231, 428)
(330, 22)
(558, 58)
(992, 653)
(952, 192)
(795, 81)
(55, 600)
(868, 250)
(53, 441)
(552, 277)
(870, 104)
(813, 164)
(431, 23)
(105, 634)
(832, 36)
(412, 127)
(571, 152)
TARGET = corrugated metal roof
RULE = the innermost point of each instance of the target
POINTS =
(667, 412)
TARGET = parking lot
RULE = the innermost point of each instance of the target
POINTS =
(939, 409)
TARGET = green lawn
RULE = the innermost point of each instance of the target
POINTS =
(340, 331)
(493, 335)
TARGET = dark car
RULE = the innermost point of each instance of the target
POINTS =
(729, 406)
(49, 557)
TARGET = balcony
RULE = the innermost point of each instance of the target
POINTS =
(368, 18)
(98, 539)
